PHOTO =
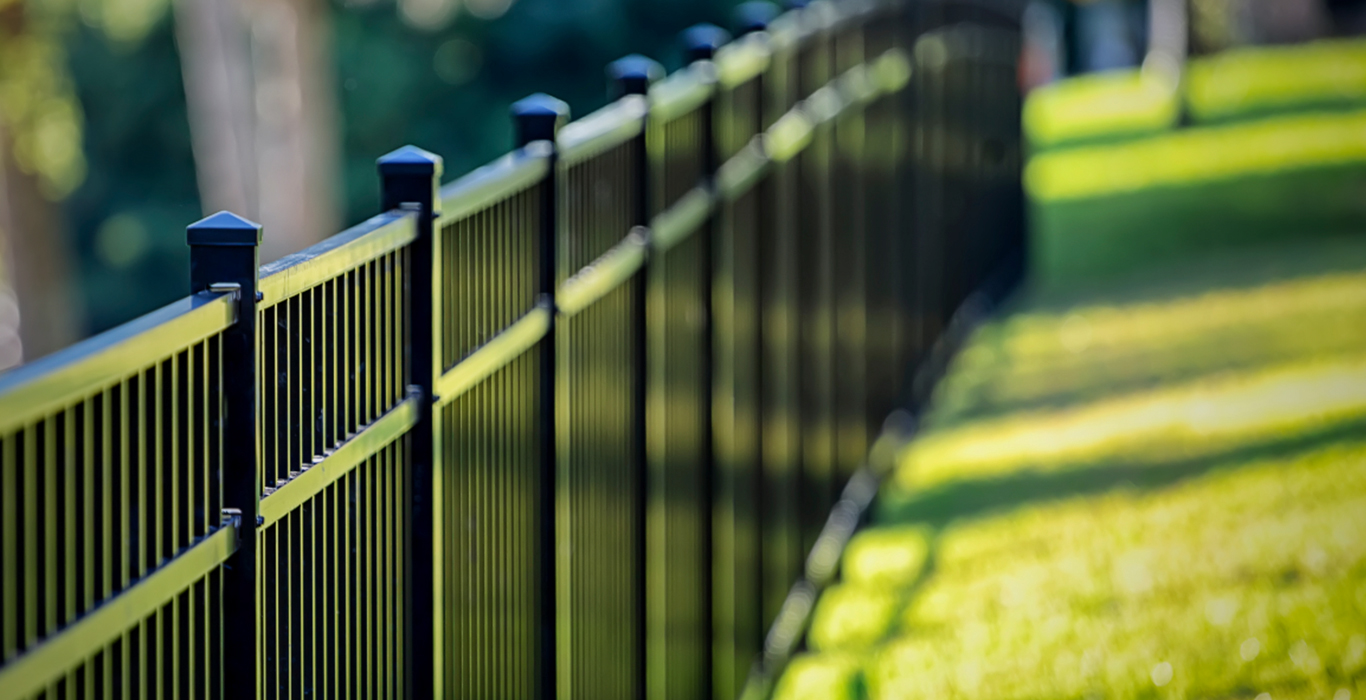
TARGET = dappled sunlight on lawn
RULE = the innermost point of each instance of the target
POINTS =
(1245, 580)
(1140, 498)
(1051, 356)
(1177, 422)
(1147, 478)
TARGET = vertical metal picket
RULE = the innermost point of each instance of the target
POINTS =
(537, 119)
(223, 252)
(411, 178)
(700, 43)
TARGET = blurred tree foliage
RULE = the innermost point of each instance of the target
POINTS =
(114, 142)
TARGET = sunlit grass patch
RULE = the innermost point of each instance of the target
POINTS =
(879, 567)
(1296, 517)
(1179, 422)
(886, 556)
(1244, 581)
(1199, 155)
(1100, 105)
(1241, 83)
(853, 617)
(1251, 80)
(821, 677)
(1241, 582)
(1042, 356)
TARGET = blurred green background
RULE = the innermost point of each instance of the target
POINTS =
(99, 143)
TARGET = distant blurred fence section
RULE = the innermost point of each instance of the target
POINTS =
(566, 427)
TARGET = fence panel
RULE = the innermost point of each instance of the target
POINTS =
(334, 477)
(600, 477)
(737, 583)
(110, 511)
(678, 361)
(491, 436)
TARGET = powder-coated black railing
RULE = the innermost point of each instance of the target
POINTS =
(569, 426)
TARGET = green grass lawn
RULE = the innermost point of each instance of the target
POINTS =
(1155, 489)
(1105, 210)
(1274, 150)
(1235, 85)
(1100, 107)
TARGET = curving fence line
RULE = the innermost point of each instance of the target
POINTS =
(567, 426)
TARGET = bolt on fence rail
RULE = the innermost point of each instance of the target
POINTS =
(566, 427)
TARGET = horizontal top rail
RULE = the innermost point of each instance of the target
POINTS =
(610, 126)
(741, 61)
(496, 181)
(682, 92)
(327, 259)
(785, 32)
(965, 41)
(30, 391)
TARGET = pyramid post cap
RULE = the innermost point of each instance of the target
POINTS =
(538, 117)
(635, 67)
(540, 105)
(701, 41)
(223, 229)
(754, 16)
(633, 74)
(409, 160)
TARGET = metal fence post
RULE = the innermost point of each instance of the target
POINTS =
(411, 178)
(223, 254)
(537, 119)
(632, 76)
(700, 43)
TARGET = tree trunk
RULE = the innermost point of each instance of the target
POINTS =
(40, 310)
(296, 138)
(216, 68)
(259, 80)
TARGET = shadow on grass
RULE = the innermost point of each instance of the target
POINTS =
(1245, 267)
(942, 505)
(1232, 357)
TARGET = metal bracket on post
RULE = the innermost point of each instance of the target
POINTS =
(224, 258)
(410, 178)
(537, 119)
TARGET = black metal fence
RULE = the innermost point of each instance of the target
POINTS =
(565, 427)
